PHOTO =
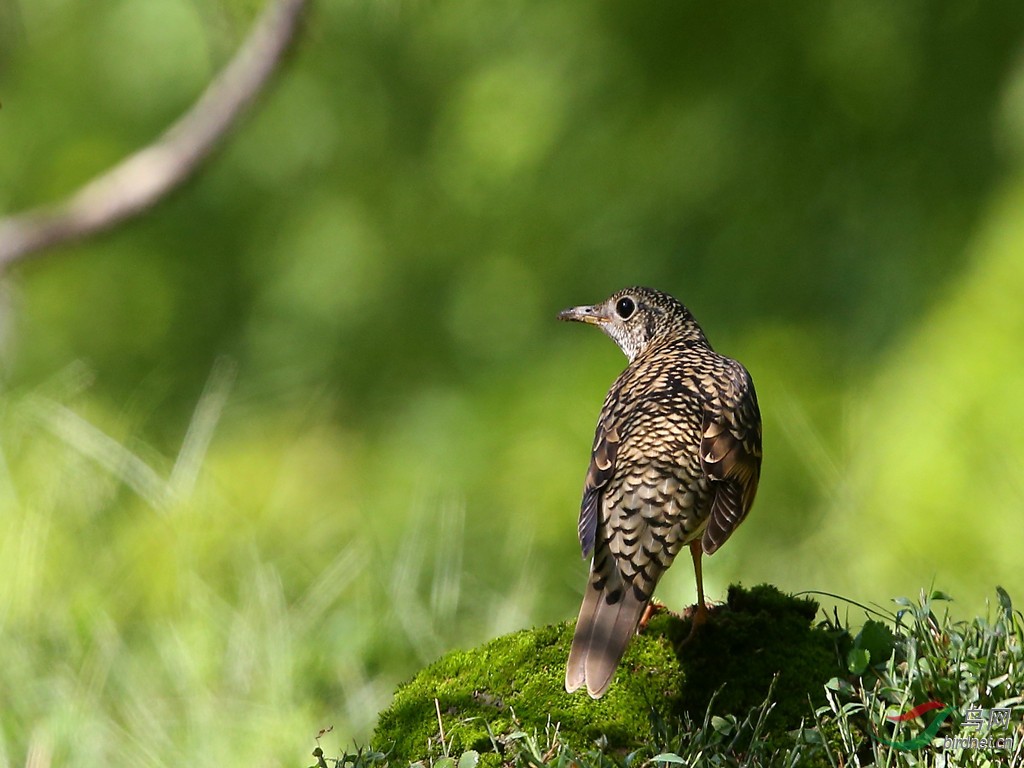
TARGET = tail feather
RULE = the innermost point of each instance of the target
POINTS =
(575, 674)
(603, 632)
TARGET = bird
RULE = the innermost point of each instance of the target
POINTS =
(675, 462)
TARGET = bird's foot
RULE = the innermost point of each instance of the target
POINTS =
(698, 615)
(653, 609)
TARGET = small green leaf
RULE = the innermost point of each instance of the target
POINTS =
(839, 686)
(877, 640)
(812, 736)
(1004, 600)
(668, 757)
(444, 762)
(939, 595)
(857, 660)
(995, 682)
(721, 725)
(469, 759)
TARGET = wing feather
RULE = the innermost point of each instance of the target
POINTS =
(730, 454)
(602, 467)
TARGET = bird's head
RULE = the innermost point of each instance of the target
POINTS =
(635, 318)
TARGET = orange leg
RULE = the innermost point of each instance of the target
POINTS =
(700, 612)
(649, 613)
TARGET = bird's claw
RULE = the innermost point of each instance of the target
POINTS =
(653, 608)
(698, 615)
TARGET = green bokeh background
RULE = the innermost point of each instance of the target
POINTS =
(389, 455)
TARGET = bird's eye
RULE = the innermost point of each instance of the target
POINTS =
(625, 307)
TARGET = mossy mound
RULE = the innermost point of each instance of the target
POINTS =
(758, 633)
(515, 682)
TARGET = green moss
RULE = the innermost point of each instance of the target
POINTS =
(515, 682)
(761, 633)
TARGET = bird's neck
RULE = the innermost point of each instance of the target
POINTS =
(681, 343)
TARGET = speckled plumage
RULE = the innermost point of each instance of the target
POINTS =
(675, 462)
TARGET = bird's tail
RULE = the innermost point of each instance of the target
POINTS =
(603, 632)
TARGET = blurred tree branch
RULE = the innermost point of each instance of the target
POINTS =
(144, 178)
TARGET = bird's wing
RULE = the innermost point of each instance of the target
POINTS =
(602, 466)
(730, 454)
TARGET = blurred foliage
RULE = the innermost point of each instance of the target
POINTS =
(394, 467)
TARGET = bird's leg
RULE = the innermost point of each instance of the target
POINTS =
(700, 611)
(652, 609)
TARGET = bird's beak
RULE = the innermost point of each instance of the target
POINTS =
(592, 315)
